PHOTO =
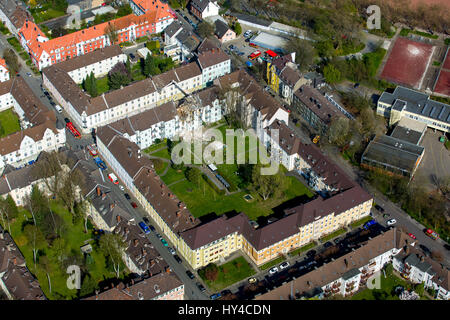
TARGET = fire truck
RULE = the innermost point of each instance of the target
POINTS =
(71, 128)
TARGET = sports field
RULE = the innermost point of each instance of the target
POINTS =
(407, 62)
(443, 82)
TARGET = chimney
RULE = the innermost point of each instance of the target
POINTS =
(111, 206)
(178, 213)
(136, 242)
(422, 258)
(168, 269)
(15, 261)
(103, 196)
(99, 192)
(118, 218)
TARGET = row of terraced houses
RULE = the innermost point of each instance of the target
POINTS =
(45, 52)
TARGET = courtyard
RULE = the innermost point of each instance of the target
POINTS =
(9, 122)
(204, 198)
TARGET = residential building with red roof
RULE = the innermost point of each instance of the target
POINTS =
(45, 52)
(4, 72)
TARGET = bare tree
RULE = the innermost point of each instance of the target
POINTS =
(113, 247)
(49, 168)
(111, 33)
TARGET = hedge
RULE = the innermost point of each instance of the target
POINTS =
(212, 185)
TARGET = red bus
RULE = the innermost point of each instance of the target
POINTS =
(254, 55)
(71, 128)
(432, 234)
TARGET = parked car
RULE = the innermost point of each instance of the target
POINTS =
(190, 274)
(311, 253)
(146, 220)
(151, 227)
(425, 250)
(225, 292)
(177, 258)
(446, 246)
(200, 287)
(132, 56)
(273, 270)
(144, 227)
(127, 196)
(215, 296)
(252, 280)
(172, 250)
(391, 222)
(164, 242)
(379, 208)
(336, 241)
(327, 244)
(284, 265)
(121, 187)
(158, 236)
(134, 205)
(412, 236)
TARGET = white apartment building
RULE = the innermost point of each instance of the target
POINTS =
(88, 113)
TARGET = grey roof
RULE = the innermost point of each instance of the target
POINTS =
(393, 152)
(413, 260)
(350, 274)
(252, 19)
(407, 134)
(221, 28)
(200, 4)
(416, 102)
(173, 28)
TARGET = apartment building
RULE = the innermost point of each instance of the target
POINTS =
(345, 275)
(404, 102)
(99, 62)
(4, 72)
(141, 7)
(164, 286)
(283, 76)
(45, 52)
(180, 42)
(417, 268)
(203, 8)
(16, 281)
(40, 129)
(88, 113)
(314, 108)
(170, 119)
(214, 64)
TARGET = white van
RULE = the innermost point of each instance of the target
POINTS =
(58, 108)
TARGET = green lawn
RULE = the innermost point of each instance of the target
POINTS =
(15, 43)
(333, 235)
(272, 263)
(4, 29)
(302, 249)
(229, 273)
(156, 146)
(9, 123)
(386, 291)
(172, 176)
(74, 238)
(164, 153)
(44, 15)
(102, 85)
(361, 221)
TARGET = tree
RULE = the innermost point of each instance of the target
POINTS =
(45, 264)
(150, 68)
(128, 65)
(88, 286)
(49, 168)
(193, 175)
(211, 272)
(237, 28)
(304, 52)
(338, 131)
(267, 185)
(12, 61)
(111, 33)
(93, 86)
(205, 29)
(331, 74)
(8, 211)
(68, 191)
(58, 31)
(118, 76)
(112, 246)
(35, 239)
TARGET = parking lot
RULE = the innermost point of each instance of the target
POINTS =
(435, 161)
